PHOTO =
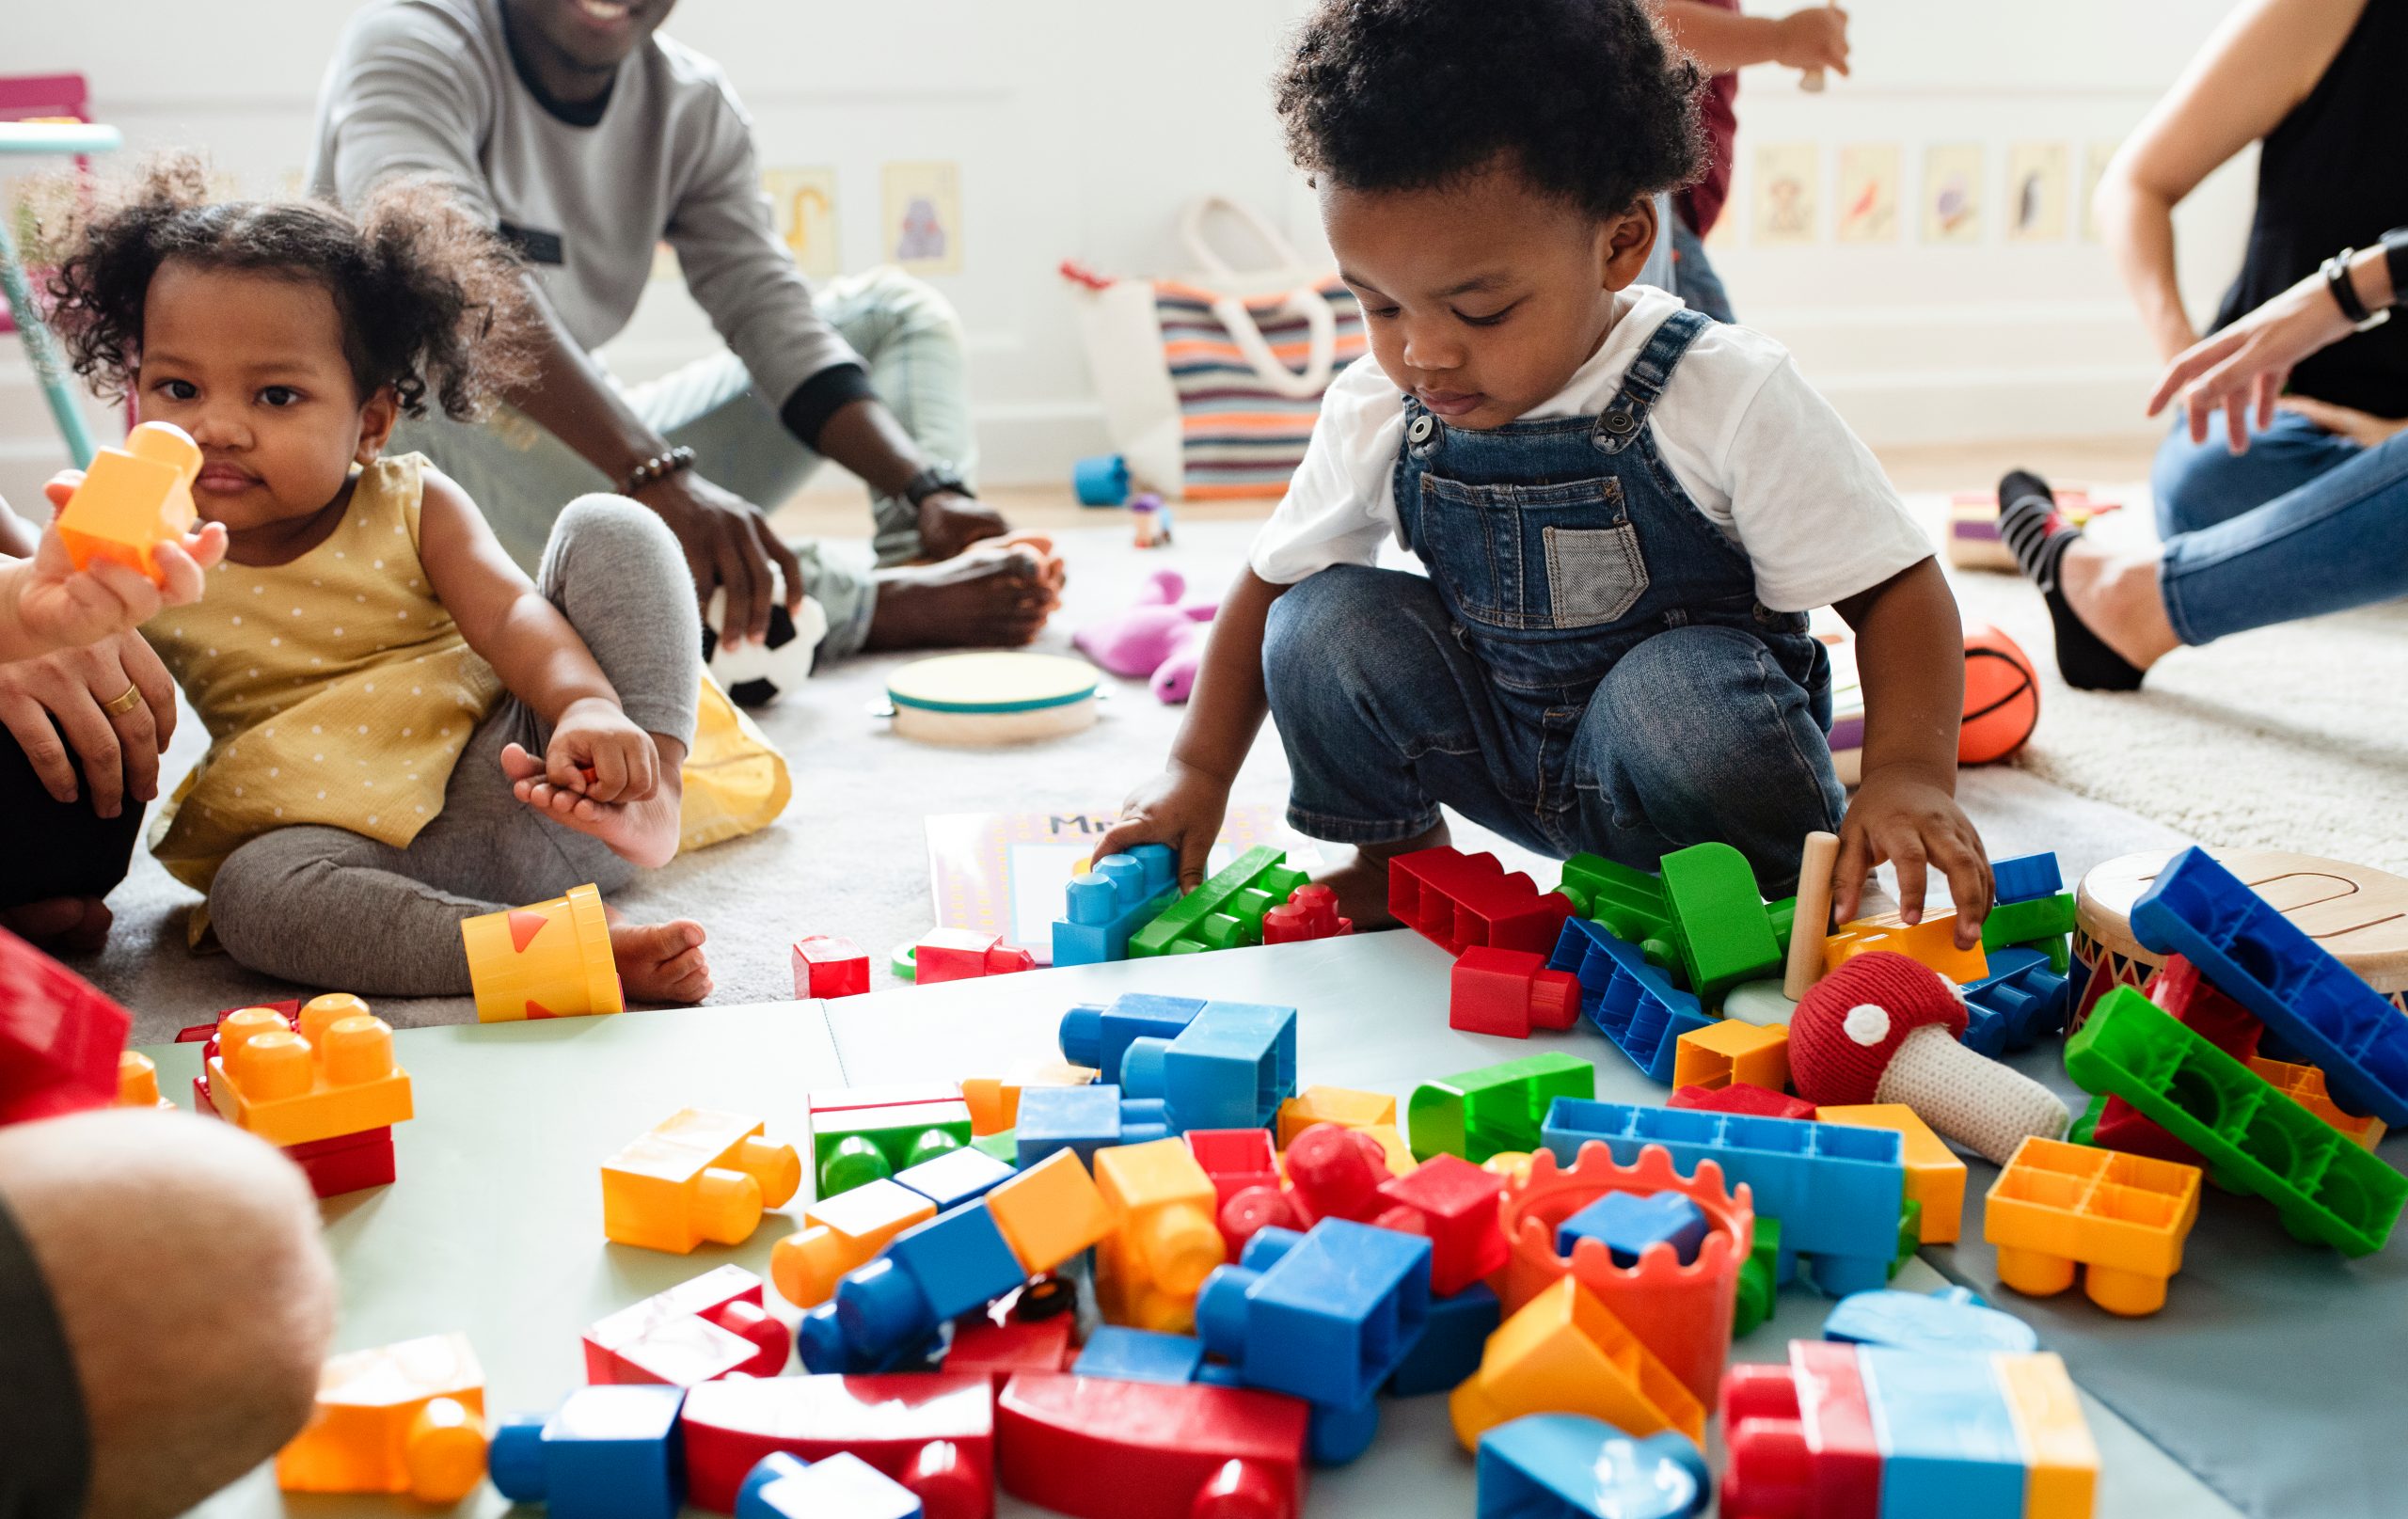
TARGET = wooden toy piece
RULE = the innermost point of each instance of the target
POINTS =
(1309, 913)
(1167, 1238)
(1510, 991)
(840, 1233)
(933, 1432)
(1805, 966)
(1565, 1353)
(1456, 900)
(2123, 1218)
(137, 1082)
(1097, 1450)
(965, 954)
(400, 1418)
(1339, 1105)
(994, 1101)
(992, 698)
(134, 499)
(59, 1036)
(334, 1074)
(1935, 1177)
(1741, 1097)
(1720, 1054)
(715, 1326)
(1565, 1467)
(1931, 942)
(1051, 1211)
(829, 967)
(549, 959)
(697, 1176)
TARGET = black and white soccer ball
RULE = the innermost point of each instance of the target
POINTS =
(756, 675)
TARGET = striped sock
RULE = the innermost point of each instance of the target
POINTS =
(2038, 538)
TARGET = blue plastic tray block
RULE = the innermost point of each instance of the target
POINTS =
(2021, 1000)
(1097, 1037)
(1119, 896)
(2027, 878)
(1325, 1315)
(1139, 1355)
(956, 1176)
(842, 1486)
(1084, 1119)
(1230, 1068)
(1632, 1002)
(1452, 1338)
(1629, 1222)
(1947, 1438)
(1568, 1467)
(1950, 1318)
(613, 1453)
(2315, 1004)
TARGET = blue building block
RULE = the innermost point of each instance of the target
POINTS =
(842, 1486)
(1230, 1068)
(1629, 1222)
(1119, 896)
(605, 1453)
(1097, 1037)
(1325, 1316)
(930, 1273)
(1452, 1336)
(956, 1176)
(824, 1349)
(1950, 1318)
(1568, 1467)
(1139, 1355)
(2021, 1002)
(1838, 1191)
(1632, 1002)
(1947, 1437)
(1334, 1436)
(2317, 1005)
(1084, 1119)
(2026, 877)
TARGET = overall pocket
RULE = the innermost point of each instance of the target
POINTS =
(1521, 558)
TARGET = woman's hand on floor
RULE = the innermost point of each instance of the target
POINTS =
(1912, 820)
(119, 749)
(1182, 807)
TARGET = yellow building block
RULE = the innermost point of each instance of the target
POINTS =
(1565, 1353)
(2122, 1218)
(1935, 1177)
(400, 1418)
(1732, 1051)
(133, 500)
(1164, 1241)
(552, 959)
(2061, 1463)
(335, 1076)
(137, 1082)
(1933, 942)
(1333, 1104)
(1392, 1143)
(2305, 1085)
(699, 1176)
(1050, 1212)
(994, 1101)
(842, 1232)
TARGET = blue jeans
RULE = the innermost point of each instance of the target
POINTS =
(1696, 733)
(2303, 524)
(1693, 277)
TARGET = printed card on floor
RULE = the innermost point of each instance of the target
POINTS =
(2035, 192)
(1951, 193)
(803, 202)
(1787, 181)
(922, 225)
(1868, 202)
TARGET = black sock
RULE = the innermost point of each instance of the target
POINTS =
(2038, 538)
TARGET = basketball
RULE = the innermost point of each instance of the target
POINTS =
(2002, 697)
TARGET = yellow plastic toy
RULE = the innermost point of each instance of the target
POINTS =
(335, 1076)
(1935, 1177)
(400, 1419)
(133, 500)
(1334, 1104)
(548, 960)
(1147, 1271)
(1050, 1212)
(2122, 1217)
(699, 1176)
(1932, 942)
(1566, 1353)
(137, 1082)
(2060, 1460)
(1731, 1051)
(994, 1101)
(842, 1232)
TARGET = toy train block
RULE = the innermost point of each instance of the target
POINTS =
(1339, 1105)
(549, 959)
(2122, 1218)
(1935, 1177)
(1932, 942)
(2026, 877)
(1565, 1353)
(1453, 1204)
(841, 1486)
(1632, 1002)
(932, 1432)
(1567, 1466)
(399, 1418)
(1510, 991)
(1477, 1114)
(982, 1347)
(1949, 1320)
(1051, 1212)
(1310, 913)
(1096, 1037)
(1457, 900)
(59, 1036)
(609, 1452)
(840, 1233)
(131, 500)
(1098, 1449)
(1118, 894)
(696, 1175)
(710, 1327)
(137, 1085)
(1229, 1067)
(333, 1075)
(1741, 1097)
(966, 955)
(1140, 1355)
(825, 966)
(1727, 1052)
(344, 1162)
(854, 1147)
(994, 1101)
(1226, 912)
(1726, 935)
(1165, 1240)
(2018, 1002)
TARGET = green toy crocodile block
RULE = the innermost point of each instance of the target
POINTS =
(2254, 1138)
(1494, 1110)
(2027, 922)
(1726, 935)
(1226, 912)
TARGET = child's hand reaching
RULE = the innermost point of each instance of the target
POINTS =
(1181, 807)
(1913, 820)
(599, 755)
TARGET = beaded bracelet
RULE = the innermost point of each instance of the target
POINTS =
(658, 467)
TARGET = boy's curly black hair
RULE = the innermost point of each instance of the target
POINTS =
(431, 302)
(1587, 96)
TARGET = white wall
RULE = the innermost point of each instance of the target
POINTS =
(1081, 125)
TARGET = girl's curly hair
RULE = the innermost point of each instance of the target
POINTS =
(1595, 106)
(431, 302)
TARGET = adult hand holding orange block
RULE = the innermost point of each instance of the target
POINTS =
(131, 500)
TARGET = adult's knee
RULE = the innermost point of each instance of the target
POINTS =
(910, 307)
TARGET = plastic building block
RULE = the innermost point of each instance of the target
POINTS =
(1726, 938)
(2025, 879)
(137, 1085)
(1565, 1353)
(1140, 1355)
(1231, 1066)
(697, 1176)
(1100, 1450)
(1452, 1339)
(1235, 1159)
(1950, 1318)
(966, 955)
(1629, 903)
(347, 1163)
(1935, 1177)
(605, 1453)
(550, 960)
(931, 1272)
(998, 1350)
(1720, 1054)
(1096, 1037)
(955, 1177)
(59, 1036)
(2179, 987)
(994, 1101)
(2318, 1005)
(1758, 1281)
(1565, 1467)
(1310, 913)
(1801, 1439)
(1932, 942)
(1084, 1119)
(2025, 922)
(400, 1418)
(2253, 1137)
(840, 1233)
(134, 499)
(712, 1326)
(1166, 1241)
(1510, 991)
(1226, 912)
(1002, 1144)
(1631, 1002)
(788, 1487)
(1118, 894)
(2060, 1460)
(890, 1095)
(853, 1147)
(1475, 1113)
(1947, 1438)
(1629, 1224)
(1741, 1097)
(825, 966)
(1335, 1173)
(1249, 1211)
(1453, 1205)
(1457, 901)
(334, 1076)
(2022, 995)
(1325, 1315)
(932, 1432)
(1837, 1190)
(1334, 1104)
(2123, 1218)
(2305, 1085)
(1050, 1212)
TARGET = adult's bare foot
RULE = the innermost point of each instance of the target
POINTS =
(992, 595)
(1361, 882)
(661, 961)
(63, 924)
(643, 831)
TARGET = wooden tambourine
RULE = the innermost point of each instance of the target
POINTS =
(990, 698)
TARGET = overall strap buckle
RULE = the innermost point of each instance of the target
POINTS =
(1625, 416)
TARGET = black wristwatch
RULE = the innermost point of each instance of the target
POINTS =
(2345, 294)
(935, 477)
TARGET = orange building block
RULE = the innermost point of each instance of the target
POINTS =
(133, 500)
(400, 1419)
(1732, 1051)
(2123, 1217)
(2060, 1460)
(994, 1101)
(1933, 942)
(334, 1076)
(1935, 1177)
(137, 1082)
(1050, 1212)
(552, 959)
(1392, 1144)
(842, 1232)
(2305, 1085)
(1334, 1104)
(1565, 1353)
(1166, 1241)
(699, 1176)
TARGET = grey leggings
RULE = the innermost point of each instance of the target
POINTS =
(327, 907)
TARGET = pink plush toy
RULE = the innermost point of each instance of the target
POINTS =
(1157, 637)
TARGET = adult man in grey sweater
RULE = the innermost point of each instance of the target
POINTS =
(588, 139)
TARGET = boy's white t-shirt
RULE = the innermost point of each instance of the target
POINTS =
(1766, 460)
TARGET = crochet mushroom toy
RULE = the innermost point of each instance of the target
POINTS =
(1884, 1028)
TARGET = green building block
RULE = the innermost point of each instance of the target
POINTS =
(1783, 914)
(2086, 1128)
(854, 1148)
(2253, 1137)
(1909, 1235)
(2060, 952)
(1726, 935)
(2027, 922)
(1004, 1147)
(1759, 1279)
(1496, 1109)
(1224, 913)
(1628, 903)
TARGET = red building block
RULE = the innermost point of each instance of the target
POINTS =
(59, 1036)
(713, 1326)
(1309, 913)
(934, 1431)
(2179, 989)
(1336, 1172)
(1235, 1159)
(347, 1163)
(1800, 1437)
(1247, 1213)
(1453, 1202)
(1510, 991)
(829, 967)
(1456, 900)
(1098, 1449)
(1742, 1096)
(963, 955)
(999, 1352)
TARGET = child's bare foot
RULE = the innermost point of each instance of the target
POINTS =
(64, 924)
(644, 832)
(997, 594)
(1362, 882)
(661, 961)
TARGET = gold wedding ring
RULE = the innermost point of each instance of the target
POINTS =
(123, 703)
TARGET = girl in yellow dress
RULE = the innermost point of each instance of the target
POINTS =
(405, 732)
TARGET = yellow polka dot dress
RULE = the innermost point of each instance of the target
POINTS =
(336, 689)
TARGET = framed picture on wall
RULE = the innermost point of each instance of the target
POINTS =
(922, 230)
(1868, 202)
(803, 203)
(2095, 156)
(2037, 185)
(1788, 181)
(1951, 193)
